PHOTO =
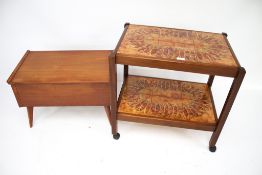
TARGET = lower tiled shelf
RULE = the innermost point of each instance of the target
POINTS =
(167, 102)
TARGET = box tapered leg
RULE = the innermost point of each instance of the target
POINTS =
(108, 113)
(30, 115)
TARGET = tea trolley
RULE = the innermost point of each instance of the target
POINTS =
(171, 102)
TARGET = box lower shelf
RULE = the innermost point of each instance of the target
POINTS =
(167, 102)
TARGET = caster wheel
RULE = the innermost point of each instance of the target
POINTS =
(212, 149)
(116, 136)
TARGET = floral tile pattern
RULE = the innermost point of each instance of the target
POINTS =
(167, 99)
(175, 45)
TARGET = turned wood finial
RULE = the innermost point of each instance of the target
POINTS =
(126, 24)
(225, 34)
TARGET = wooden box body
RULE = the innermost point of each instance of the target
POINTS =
(62, 78)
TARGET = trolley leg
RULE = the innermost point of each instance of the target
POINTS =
(113, 96)
(226, 108)
(125, 72)
(210, 80)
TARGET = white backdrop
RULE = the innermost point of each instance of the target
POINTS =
(77, 139)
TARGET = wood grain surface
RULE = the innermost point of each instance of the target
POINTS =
(62, 78)
(63, 67)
